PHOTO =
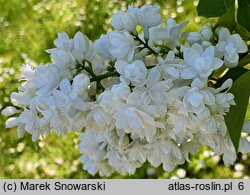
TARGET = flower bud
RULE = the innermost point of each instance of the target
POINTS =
(124, 21)
(122, 45)
(206, 44)
(12, 122)
(102, 46)
(10, 110)
(147, 15)
(193, 37)
(206, 32)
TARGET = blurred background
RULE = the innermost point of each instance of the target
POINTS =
(27, 28)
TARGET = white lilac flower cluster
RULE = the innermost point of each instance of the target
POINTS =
(141, 92)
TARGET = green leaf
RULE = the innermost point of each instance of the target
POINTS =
(236, 116)
(232, 73)
(245, 60)
(228, 19)
(208, 9)
(213, 8)
(245, 35)
(243, 15)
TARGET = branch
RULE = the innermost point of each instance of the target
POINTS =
(98, 78)
(244, 61)
(145, 44)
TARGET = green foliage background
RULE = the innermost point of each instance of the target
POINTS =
(29, 27)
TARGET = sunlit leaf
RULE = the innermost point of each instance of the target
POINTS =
(213, 8)
(243, 16)
(236, 117)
